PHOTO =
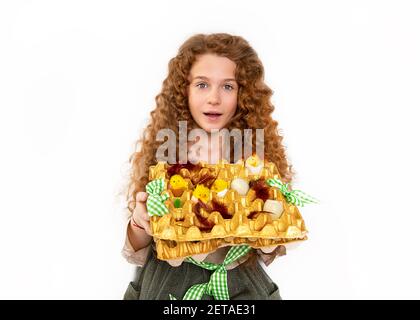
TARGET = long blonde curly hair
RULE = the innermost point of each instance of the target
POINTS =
(253, 107)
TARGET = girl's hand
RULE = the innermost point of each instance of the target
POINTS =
(140, 215)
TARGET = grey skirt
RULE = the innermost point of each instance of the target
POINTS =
(157, 279)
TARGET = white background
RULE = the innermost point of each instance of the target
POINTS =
(77, 83)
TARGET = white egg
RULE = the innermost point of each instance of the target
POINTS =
(240, 185)
(274, 207)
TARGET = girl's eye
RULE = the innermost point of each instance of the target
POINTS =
(201, 84)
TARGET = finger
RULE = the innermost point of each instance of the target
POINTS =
(144, 215)
(139, 209)
(141, 196)
(144, 224)
(146, 227)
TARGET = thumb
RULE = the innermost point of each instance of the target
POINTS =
(145, 216)
(141, 196)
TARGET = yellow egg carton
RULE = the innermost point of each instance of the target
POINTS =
(169, 249)
(209, 204)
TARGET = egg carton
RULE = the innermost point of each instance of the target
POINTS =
(169, 250)
(224, 215)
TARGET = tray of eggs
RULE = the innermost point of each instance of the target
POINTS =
(211, 205)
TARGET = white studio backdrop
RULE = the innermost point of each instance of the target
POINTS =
(77, 83)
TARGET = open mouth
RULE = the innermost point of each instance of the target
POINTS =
(212, 115)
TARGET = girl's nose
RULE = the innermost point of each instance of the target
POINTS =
(214, 97)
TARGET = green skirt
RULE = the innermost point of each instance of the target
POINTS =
(157, 279)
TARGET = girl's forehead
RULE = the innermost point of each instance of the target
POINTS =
(212, 67)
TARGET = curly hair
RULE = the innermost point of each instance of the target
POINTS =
(253, 107)
(253, 110)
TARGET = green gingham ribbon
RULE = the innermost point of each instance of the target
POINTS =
(155, 201)
(217, 286)
(295, 197)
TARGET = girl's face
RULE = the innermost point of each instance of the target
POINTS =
(213, 91)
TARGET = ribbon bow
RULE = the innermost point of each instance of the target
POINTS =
(155, 201)
(217, 285)
(295, 197)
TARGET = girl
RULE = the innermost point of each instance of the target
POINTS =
(216, 81)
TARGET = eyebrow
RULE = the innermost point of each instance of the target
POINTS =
(205, 78)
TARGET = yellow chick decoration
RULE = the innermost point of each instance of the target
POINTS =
(220, 186)
(178, 185)
(202, 193)
(254, 164)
